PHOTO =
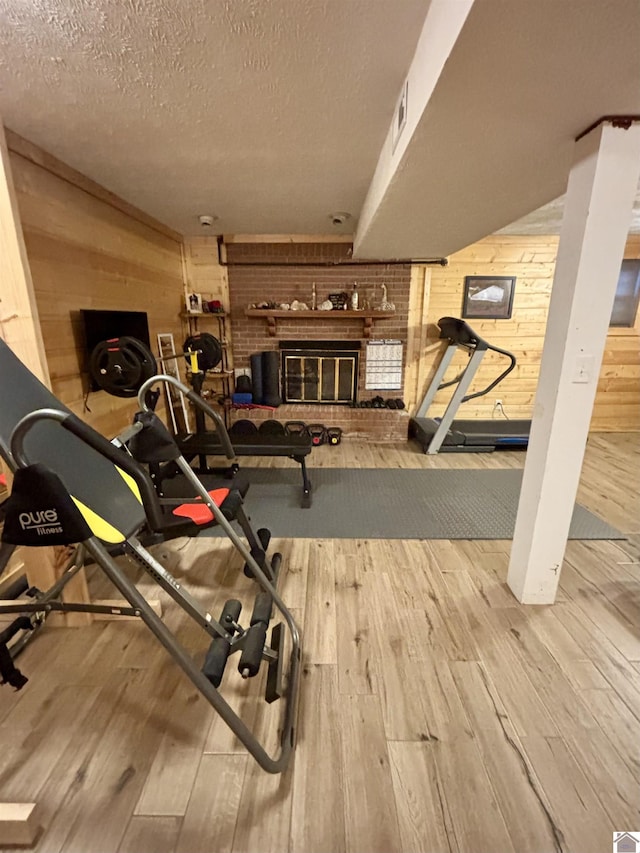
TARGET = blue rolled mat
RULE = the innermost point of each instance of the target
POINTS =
(241, 398)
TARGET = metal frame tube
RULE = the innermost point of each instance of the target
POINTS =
(454, 402)
(197, 400)
(164, 636)
(432, 390)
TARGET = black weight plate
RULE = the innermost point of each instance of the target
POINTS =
(121, 365)
(209, 350)
(271, 427)
(243, 427)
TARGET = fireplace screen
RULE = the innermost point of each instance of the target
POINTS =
(319, 371)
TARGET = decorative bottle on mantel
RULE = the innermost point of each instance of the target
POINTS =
(354, 297)
(313, 297)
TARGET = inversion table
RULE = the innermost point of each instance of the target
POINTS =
(71, 485)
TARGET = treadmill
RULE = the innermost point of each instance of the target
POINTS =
(446, 435)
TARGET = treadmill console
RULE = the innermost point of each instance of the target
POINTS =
(459, 333)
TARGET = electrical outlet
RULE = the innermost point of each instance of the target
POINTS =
(497, 403)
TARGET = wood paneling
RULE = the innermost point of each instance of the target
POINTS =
(532, 261)
(205, 274)
(88, 249)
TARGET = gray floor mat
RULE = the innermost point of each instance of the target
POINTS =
(375, 503)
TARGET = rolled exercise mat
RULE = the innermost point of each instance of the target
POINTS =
(256, 378)
(241, 399)
(270, 378)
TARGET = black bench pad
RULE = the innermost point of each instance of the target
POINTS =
(247, 445)
(293, 446)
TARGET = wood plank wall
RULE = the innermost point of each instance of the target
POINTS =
(88, 249)
(532, 260)
(205, 274)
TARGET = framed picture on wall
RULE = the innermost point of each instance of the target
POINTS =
(488, 297)
(194, 303)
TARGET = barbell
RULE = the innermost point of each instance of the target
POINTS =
(120, 366)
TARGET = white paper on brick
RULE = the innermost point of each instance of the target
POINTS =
(384, 366)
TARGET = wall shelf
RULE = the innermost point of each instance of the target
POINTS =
(202, 315)
(368, 317)
(225, 373)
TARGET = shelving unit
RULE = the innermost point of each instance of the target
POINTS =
(368, 317)
(225, 375)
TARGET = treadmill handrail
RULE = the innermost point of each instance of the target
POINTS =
(461, 334)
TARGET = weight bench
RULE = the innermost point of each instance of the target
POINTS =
(296, 447)
(72, 485)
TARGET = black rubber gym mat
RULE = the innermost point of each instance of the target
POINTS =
(374, 503)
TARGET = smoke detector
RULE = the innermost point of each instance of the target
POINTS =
(339, 218)
(207, 220)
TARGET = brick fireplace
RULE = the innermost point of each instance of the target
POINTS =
(283, 272)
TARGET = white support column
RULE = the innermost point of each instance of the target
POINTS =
(600, 193)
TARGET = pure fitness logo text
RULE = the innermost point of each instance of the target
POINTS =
(43, 522)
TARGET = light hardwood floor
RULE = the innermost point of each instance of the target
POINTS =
(436, 714)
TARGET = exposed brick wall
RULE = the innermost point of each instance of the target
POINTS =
(289, 273)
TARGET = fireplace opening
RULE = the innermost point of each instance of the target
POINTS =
(319, 371)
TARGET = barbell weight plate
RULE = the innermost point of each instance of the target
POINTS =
(120, 366)
(209, 350)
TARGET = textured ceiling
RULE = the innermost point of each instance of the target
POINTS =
(272, 114)
(267, 113)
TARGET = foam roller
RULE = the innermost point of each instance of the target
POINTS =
(264, 535)
(256, 378)
(270, 378)
(216, 660)
(251, 656)
(262, 609)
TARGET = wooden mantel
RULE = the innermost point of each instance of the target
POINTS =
(272, 316)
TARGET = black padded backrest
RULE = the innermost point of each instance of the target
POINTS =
(108, 498)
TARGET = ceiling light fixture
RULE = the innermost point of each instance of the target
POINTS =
(339, 218)
(207, 220)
